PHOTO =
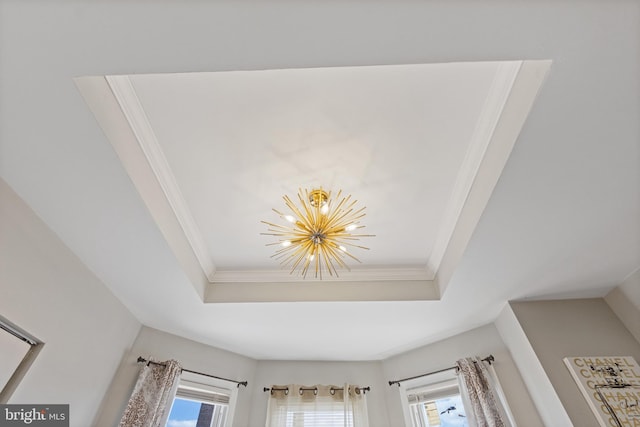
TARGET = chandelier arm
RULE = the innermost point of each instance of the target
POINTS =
(328, 262)
(351, 245)
(278, 256)
(337, 209)
(292, 261)
(317, 258)
(299, 255)
(343, 253)
(287, 249)
(281, 214)
(287, 231)
(348, 217)
(285, 253)
(308, 214)
(305, 267)
(284, 229)
(280, 233)
(336, 217)
(352, 256)
(304, 220)
(274, 244)
(341, 227)
(271, 224)
(338, 206)
(338, 257)
(292, 257)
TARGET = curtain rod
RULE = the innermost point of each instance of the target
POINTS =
(238, 383)
(315, 389)
(489, 359)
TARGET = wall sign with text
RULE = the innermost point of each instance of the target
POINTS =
(611, 386)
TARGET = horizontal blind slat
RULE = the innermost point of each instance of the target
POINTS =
(203, 396)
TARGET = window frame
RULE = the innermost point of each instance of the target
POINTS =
(206, 384)
(27, 360)
(442, 384)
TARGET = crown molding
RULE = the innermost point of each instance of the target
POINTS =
(355, 275)
(126, 96)
(101, 101)
(523, 92)
(322, 291)
(482, 136)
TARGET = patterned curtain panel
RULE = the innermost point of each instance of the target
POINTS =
(152, 395)
(295, 405)
(478, 394)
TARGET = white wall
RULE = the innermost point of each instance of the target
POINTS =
(46, 290)
(533, 374)
(309, 373)
(477, 342)
(581, 327)
(192, 355)
(383, 401)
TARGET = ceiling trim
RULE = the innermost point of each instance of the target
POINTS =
(323, 291)
(355, 275)
(102, 102)
(480, 140)
(129, 102)
(523, 93)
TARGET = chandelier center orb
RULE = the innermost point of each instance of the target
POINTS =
(318, 234)
(318, 237)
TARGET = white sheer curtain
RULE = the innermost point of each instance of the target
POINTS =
(152, 395)
(480, 391)
(295, 405)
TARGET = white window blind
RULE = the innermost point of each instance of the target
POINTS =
(324, 408)
(320, 413)
(202, 401)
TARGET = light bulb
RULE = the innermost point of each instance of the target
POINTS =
(342, 248)
(324, 209)
(286, 243)
(290, 218)
(351, 227)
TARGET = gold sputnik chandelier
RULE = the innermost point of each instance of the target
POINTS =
(319, 233)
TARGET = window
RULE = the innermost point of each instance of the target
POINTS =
(201, 401)
(434, 401)
(18, 349)
(320, 413)
(317, 406)
(441, 407)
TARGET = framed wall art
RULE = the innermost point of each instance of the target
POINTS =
(611, 386)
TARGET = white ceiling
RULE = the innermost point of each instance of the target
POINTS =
(423, 145)
(395, 137)
(562, 219)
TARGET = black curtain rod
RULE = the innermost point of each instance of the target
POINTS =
(238, 383)
(489, 359)
(315, 389)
